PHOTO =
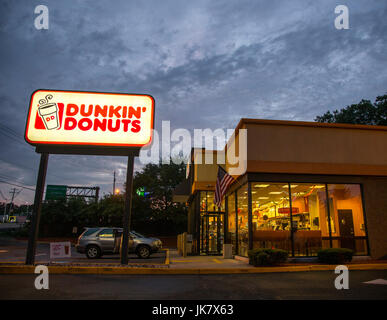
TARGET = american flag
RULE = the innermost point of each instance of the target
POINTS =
(222, 182)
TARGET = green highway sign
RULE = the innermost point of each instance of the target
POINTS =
(55, 192)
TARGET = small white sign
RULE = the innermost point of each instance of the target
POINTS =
(60, 250)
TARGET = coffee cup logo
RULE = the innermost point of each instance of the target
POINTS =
(49, 113)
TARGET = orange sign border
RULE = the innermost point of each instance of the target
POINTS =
(39, 143)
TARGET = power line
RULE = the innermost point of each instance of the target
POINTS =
(2, 195)
(16, 185)
(9, 129)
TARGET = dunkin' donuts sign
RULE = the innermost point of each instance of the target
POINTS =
(90, 118)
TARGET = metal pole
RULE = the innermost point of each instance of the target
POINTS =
(96, 194)
(329, 215)
(35, 219)
(291, 219)
(250, 216)
(13, 196)
(114, 183)
(127, 210)
(226, 235)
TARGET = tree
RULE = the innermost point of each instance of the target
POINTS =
(60, 216)
(154, 212)
(363, 112)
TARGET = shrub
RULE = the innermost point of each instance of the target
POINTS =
(267, 257)
(335, 255)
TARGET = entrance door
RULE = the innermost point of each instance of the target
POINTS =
(212, 234)
(346, 229)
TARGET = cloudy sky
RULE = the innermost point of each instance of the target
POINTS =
(206, 63)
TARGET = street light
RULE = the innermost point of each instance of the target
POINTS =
(117, 191)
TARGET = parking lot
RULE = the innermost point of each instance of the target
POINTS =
(12, 250)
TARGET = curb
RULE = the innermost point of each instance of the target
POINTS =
(23, 269)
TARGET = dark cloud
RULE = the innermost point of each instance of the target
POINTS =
(207, 63)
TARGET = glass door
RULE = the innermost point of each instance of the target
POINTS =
(212, 234)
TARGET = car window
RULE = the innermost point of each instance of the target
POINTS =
(138, 235)
(106, 233)
(89, 232)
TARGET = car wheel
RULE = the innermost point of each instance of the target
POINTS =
(143, 252)
(93, 252)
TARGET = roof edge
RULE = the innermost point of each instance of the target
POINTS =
(308, 124)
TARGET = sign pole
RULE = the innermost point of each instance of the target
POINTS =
(127, 210)
(35, 219)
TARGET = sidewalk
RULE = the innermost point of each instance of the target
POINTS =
(204, 262)
(175, 264)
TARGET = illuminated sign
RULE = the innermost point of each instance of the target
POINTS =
(89, 118)
(141, 192)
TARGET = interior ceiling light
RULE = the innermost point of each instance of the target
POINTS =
(275, 192)
(261, 185)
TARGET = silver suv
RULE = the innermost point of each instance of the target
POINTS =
(95, 242)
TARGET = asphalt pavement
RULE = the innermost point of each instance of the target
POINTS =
(278, 286)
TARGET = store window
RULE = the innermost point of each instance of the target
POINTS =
(270, 215)
(207, 202)
(232, 221)
(347, 217)
(309, 218)
(243, 226)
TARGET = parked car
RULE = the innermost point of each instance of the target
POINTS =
(95, 242)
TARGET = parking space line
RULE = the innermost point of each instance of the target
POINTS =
(377, 281)
(216, 260)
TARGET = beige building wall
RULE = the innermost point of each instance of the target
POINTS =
(206, 168)
(314, 148)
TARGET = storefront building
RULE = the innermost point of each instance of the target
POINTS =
(306, 186)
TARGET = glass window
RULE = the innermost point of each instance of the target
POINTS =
(232, 221)
(203, 201)
(274, 217)
(210, 202)
(89, 232)
(310, 218)
(106, 233)
(271, 215)
(207, 202)
(243, 227)
(347, 217)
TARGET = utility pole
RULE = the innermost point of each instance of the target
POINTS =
(13, 191)
(114, 183)
(5, 205)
